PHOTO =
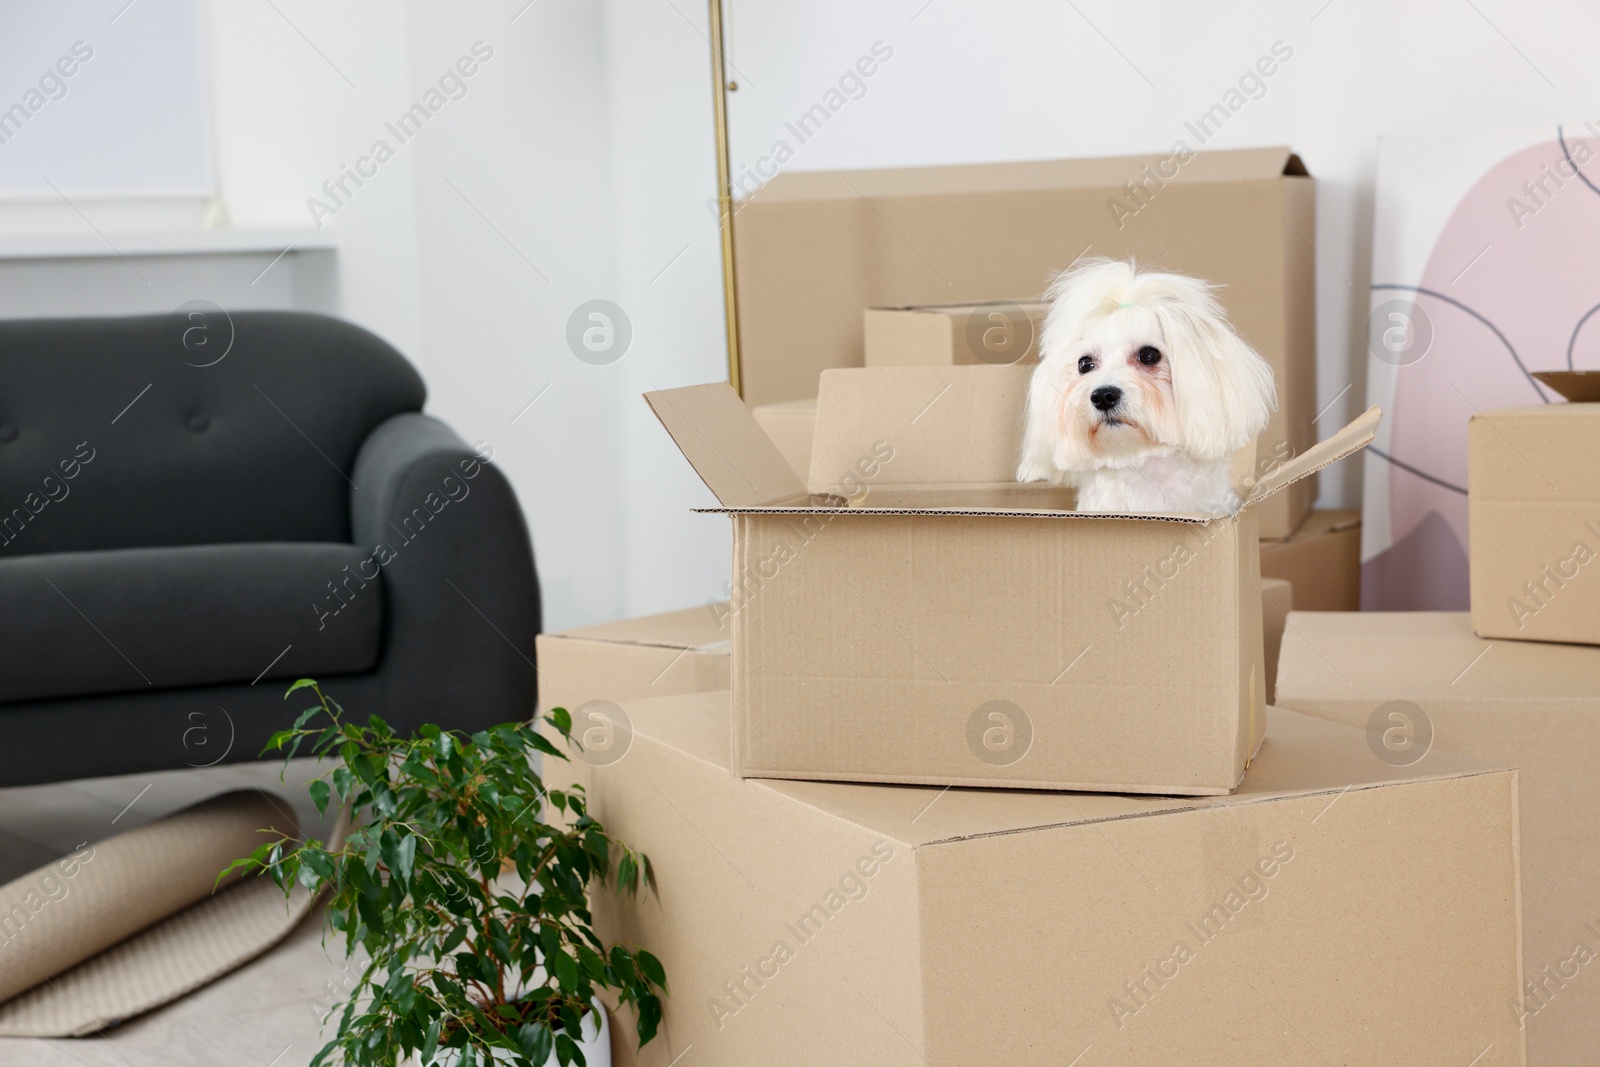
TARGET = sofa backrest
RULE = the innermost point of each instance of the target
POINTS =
(197, 427)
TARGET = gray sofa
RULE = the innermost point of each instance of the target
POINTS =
(197, 508)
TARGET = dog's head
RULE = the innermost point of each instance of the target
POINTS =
(1135, 365)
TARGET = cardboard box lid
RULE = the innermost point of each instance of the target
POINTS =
(1302, 756)
(1431, 656)
(951, 429)
(696, 629)
(1110, 172)
(1578, 386)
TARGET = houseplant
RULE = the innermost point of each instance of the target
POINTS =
(467, 964)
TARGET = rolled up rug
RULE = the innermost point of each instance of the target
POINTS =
(126, 924)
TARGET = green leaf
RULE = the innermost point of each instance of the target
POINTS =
(300, 683)
(652, 968)
(319, 795)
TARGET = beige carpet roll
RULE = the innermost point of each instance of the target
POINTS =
(102, 895)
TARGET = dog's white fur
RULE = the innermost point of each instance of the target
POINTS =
(1165, 444)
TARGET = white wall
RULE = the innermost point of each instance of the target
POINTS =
(515, 226)
(299, 89)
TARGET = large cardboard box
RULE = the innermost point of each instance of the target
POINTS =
(816, 248)
(791, 424)
(1321, 559)
(918, 616)
(997, 332)
(1420, 683)
(1533, 503)
(1335, 910)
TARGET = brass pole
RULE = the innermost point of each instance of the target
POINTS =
(730, 288)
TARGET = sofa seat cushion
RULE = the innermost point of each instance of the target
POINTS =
(122, 620)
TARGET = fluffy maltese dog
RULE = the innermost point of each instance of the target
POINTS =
(1142, 394)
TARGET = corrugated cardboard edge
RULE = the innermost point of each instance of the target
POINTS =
(1351, 439)
(1002, 785)
(1576, 386)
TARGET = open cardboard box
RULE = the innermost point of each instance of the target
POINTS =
(1336, 909)
(915, 615)
(1533, 514)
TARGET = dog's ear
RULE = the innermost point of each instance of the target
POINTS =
(1222, 390)
(1054, 441)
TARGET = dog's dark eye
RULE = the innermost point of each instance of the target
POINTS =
(1149, 355)
(1085, 364)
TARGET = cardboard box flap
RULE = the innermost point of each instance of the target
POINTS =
(947, 426)
(724, 444)
(1302, 756)
(1577, 386)
(1329, 450)
(1105, 172)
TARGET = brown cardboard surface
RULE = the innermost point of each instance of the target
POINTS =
(791, 424)
(1277, 601)
(1533, 517)
(920, 617)
(1579, 386)
(816, 249)
(998, 333)
(1322, 560)
(651, 656)
(817, 923)
(1528, 705)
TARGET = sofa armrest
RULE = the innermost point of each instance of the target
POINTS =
(445, 532)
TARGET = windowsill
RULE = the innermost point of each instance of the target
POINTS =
(189, 242)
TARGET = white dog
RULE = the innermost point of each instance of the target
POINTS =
(1142, 393)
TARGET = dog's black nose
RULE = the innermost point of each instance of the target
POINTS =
(1106, 397)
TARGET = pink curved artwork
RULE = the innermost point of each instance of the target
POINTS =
(1511, 286)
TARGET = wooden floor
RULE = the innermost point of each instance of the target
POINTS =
(267, 1014)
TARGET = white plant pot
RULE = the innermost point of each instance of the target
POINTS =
(595, 1045)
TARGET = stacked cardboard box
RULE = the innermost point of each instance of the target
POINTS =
(1334, 910)
(1421, 683)
(930, 924)
(1533, 509)
(961, 775)
(1497, 685)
